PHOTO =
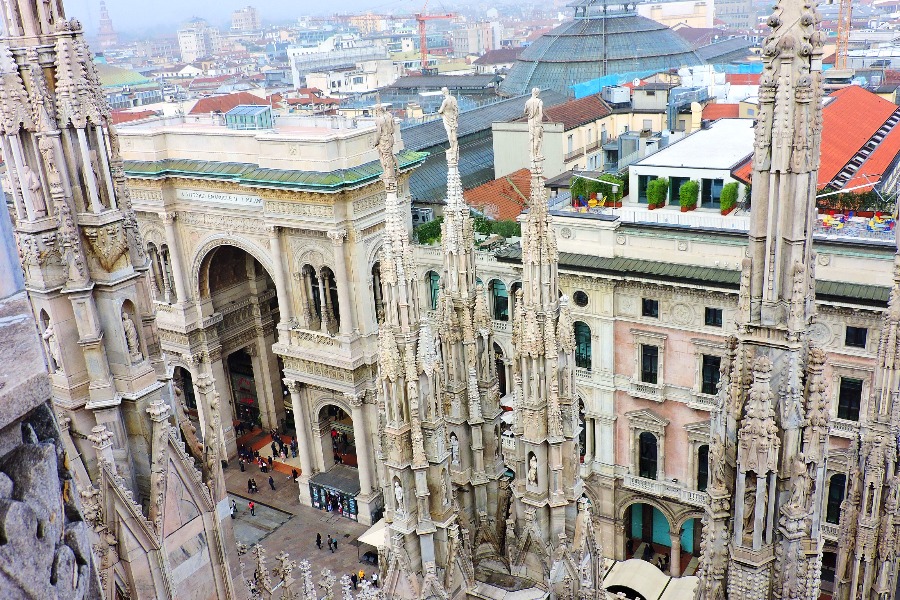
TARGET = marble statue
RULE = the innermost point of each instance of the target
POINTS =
(532, 470)
(53, 347)
(449, 112)
(131, 337)
(33, 183)
(454, 449)
(385, 130)
(534, 110)
(398, 496)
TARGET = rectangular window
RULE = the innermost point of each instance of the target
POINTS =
(648, 124)
(710, 373)
(650, 308)
(649, 363)
(849, 398)
(856, 337)
(571, 144)
(711, 192)
(712, 317)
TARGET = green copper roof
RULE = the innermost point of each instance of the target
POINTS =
(114, 77)
(253, 175)
(872, 295)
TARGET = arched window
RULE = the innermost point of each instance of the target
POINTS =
(499, 300)
(434, 288)
(702, 467)
(647, 454)
(582, 345)
(835, 496)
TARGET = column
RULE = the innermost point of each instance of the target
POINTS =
(361, 433)
(263, 390)
(675, 555)
(174, 256)
(588, 440)
(323, 303)
(104, 165)
(301, 425)
(343, 283)
(19, 161)
(91, 182)
(12, 171)
(598, 436)
(284, 301)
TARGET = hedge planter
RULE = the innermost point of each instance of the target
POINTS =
(688, 194)
(727, 211)
(728, 198)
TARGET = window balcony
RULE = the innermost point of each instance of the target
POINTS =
(648, 391)
(844, 428)
(708, 402)
(667, 489)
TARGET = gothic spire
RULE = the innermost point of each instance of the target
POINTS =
(762, 534)
(543, 369)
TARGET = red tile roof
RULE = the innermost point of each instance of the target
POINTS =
(225, 103)
(848, 122)
(575, 113)
(504, 198)
(123, 116)
(743, 78)
(721, 111)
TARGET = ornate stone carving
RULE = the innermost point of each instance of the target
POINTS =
(108, 245)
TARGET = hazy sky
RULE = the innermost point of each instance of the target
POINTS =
(139, 16)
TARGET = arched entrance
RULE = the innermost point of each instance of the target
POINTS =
(336, 487)
(235, 287)
(647, 535)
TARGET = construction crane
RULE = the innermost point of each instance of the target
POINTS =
(421, 18)
(841, 49)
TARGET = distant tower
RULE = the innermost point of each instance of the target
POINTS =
(106, 35)
(86, 276)
(870, 514)
(426, 554)
(762, 535)
(547, 484)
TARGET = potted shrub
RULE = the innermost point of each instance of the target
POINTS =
(656, 192)
(728, 199)
(687, 195)
(613, 194)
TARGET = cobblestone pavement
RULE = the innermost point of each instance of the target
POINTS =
(281, 523)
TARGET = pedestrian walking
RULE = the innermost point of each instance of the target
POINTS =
(249, 486)
(354, 579)
(271, 483)
(334, 543)
(375, 579)
(242, 464)
(252, 508)
(362, 575)
(274, 449)
(330, 542)
(294, 474)
(319, 541)
(232, 508)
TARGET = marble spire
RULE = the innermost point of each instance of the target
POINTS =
(423, 534)
(471, 388)
(870, 513)
(547, 481)
(762, 533)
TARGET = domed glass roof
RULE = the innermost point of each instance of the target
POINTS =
(601, 40)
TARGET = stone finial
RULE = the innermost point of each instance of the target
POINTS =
(158, 410)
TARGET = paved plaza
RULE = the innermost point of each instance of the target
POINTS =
(281, 523)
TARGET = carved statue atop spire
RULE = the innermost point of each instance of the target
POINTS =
(449, 112)
(534, 111)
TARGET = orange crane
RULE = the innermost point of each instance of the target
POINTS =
(843, 34)
(421, 18)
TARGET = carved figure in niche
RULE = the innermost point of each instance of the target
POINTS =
(53, 348)
(449, 112)
(454, 449)
(131, 337)
(33, 183)
(800, 483)
(445, 497)
(717, 462)
(534, 110)
(749, 507)
(532, 470)
(398, 496)
(95, 168)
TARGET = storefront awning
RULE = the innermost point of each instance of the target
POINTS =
(375, 536)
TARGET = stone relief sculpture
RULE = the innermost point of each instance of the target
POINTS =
(33, 183)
